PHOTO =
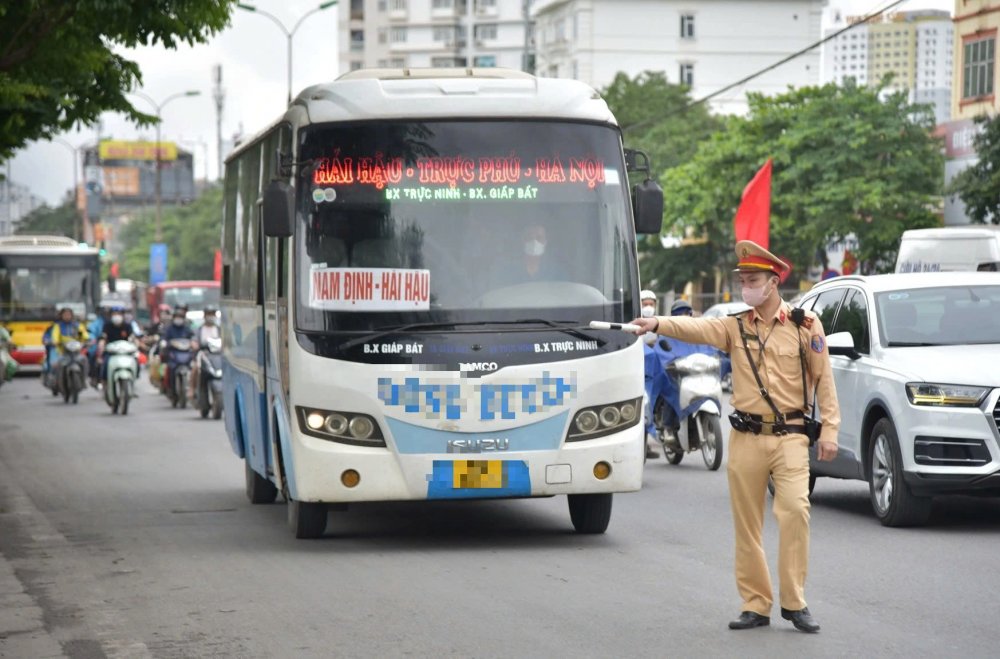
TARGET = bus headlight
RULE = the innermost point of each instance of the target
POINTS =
(343, 427)
(601, 420)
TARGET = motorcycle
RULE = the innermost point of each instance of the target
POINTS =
(209, 393)
(71, 371)
(178, 371)
(8, 366)
(684, 391)
(122, 371)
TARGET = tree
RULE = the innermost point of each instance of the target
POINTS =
(59, 68)
(192, 232)
(60, 221)
(848, 160)
(657, 117)
(979, 185)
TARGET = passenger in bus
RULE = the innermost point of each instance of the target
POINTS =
(536, 261)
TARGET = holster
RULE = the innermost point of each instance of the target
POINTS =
(813, 428)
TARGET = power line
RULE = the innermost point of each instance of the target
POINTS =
(757, 74)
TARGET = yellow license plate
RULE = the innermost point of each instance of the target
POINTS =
(478, 474)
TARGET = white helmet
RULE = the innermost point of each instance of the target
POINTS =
(647, 295)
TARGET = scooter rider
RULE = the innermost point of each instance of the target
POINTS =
(66, 328)
(179, 328)
(647, 299)
(209, 330)
(115, 330)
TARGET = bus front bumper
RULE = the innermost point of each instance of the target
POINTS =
(613, 463)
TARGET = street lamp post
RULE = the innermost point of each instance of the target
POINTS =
(78, 225)
(288, 33)
(159, 120)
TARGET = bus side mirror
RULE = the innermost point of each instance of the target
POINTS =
(647, 207)
(278, 209)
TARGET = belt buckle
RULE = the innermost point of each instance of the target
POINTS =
(768, 418)
(767, 428)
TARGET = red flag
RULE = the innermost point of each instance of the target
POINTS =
(217, 269)
(114, 269)
(753, 217)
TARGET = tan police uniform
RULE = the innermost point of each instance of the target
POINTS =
(774, 346)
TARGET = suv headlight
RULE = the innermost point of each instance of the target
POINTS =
(945, 395)
(344, 427)
(601, 420)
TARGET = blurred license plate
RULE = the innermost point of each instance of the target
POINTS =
(479, 474)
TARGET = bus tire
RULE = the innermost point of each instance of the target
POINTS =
(590, 513)
(307, 518)
(259, 489)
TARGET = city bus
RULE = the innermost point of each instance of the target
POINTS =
(410, 263)
(38, 276)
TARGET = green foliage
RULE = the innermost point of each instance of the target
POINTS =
(192, 234)
(979, 185)
(59, 68)
(60, 221)
(657, 118)
(845, 162)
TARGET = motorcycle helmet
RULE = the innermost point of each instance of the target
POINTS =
(647, 295)
(681, 308)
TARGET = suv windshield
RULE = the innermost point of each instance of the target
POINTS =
(462, 221)
(939, 316)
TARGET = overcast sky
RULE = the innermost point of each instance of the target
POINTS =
(252, 54)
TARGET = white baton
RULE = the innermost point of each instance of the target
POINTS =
(625, 327)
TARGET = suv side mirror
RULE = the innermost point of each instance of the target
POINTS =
(278, 209)
(842, 343)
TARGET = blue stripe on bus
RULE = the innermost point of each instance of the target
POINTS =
(441, 484)
(544, 435)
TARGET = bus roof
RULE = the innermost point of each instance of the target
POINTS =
(41, 244)
(444, 93)
(189, 283)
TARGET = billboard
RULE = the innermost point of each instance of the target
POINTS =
(121, 150)
(121, 181)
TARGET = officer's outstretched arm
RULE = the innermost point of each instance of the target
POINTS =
(711, 331)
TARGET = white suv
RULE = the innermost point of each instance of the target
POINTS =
(916, 362)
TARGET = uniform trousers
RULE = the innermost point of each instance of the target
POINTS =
(786, 459)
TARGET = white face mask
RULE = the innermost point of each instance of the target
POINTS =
(534, 248)
(755, 297)
(178, 321)
(116, 320)
(648, 311)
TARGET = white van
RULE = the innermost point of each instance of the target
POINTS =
(947, 249)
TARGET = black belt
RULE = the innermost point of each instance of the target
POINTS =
(769, 418)
(765, 424)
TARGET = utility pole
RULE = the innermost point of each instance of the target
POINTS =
(79, 232)
(219, 93)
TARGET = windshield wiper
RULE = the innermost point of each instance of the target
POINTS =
(386, 331)
(572, 331)
(911, 344)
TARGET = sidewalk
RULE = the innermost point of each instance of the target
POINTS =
(22, 630)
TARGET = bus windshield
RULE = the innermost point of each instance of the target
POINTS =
(34, 287)
(462, 221)
(195, 297)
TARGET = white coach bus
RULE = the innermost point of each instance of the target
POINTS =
(411, 259)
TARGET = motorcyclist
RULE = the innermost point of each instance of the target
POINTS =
(647, 299)
(66, 328)
(115, 330)
(209, 330)
(95, 325)
(179, 328)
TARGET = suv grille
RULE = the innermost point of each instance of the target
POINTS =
(950, 452)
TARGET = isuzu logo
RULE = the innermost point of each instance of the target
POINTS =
(478, 366)
(478, 445)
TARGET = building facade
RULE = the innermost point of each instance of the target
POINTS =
(975, 58)
(705, 44)
(438, 33)
(914, 47)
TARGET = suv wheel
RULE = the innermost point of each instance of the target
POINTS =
(892, 501)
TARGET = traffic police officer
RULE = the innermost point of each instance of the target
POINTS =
(772, 440)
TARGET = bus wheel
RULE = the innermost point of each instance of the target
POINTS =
(590, 512)
(259, 489)
(307, 518)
